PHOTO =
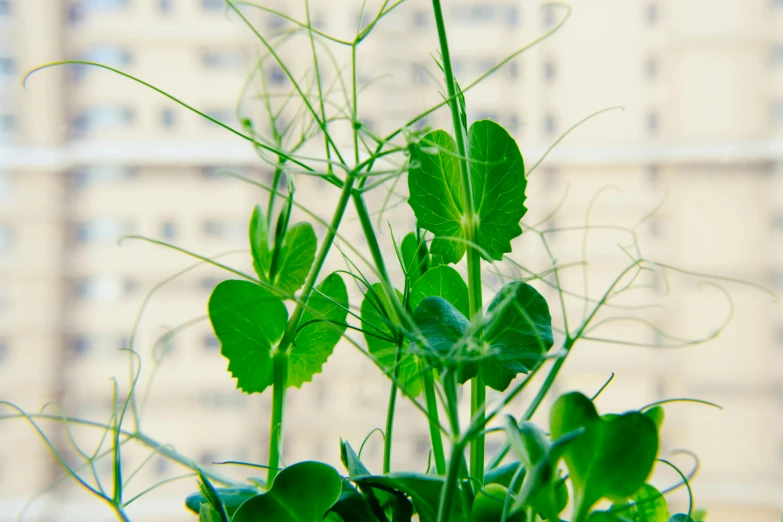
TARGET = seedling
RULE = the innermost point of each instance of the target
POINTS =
(429, 332)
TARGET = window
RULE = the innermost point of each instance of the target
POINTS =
(210, 342)
(654, 225)
(7, 66)
(79, 344)
(102, 289)
(3, 349)
(651, 68)
(208, 283)
(777, 55)
(549, 70)
(224, 59)
(221, 115)
(7, 239)
(549, 16)
(164, 6)
(90, 176)
(651, 13)
(6, 187)
(777, 113)
(513, 70)
(103, 118)
(99, 230)
(275, 21)
(5, 7)
(213, 5)
(161, 466)
(479, 13)
(224, 229)
(652, 122)
(653, 174)
(105, 54)
(777, 222)
(550, 124)
(7, 127)
(275, 75)
(105, 5)
(167, 118)
(168, 230)
(512, 17)
(421, 18)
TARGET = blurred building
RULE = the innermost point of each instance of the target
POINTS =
(87, 156)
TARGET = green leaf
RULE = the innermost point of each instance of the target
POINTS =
(423, 490)
(378, 332)
(681, 517)
(296, 258)
(611, 459)
(415, 257)
(231, 498)
(321, 326)
(435, 190)
(518, 334)
(207, 513)
(259, 243)
(248, 320)
(498, 177)
(497, 174)
(657, 415)
(302, 492)
(542, 487)
(649, 505)
(442, 325)
(352, 506)
(606, 516)
(444, 282)
(385, 503)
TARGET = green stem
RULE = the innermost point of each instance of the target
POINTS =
(280, 371)
(293, 324)
(434, 421)
(478, 391)
(390, 410)
(456, 461)
(271, 205)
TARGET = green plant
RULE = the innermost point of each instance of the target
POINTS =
(429, 332)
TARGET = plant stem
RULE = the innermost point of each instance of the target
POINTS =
(471, 228)
(280, 376)
(293, 324)
(390, 409)
(397, 315)
(434, 421)
(457, 449)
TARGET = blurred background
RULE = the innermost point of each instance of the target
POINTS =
(694, 163)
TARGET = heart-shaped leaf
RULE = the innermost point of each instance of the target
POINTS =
(648, 505)
(302, 492)
(518, 334)
(442, 325)
(321, 327)
(441, 281)
(352, 506)
(497, 174)
(248, 320)
(423, 490)
(294, 260)
(611, 459)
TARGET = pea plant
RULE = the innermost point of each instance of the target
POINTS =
(429, 332)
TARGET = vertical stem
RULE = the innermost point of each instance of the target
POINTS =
(457, 458)
(434, 421)
(397, 314)
(478, 391)
(390, 409)
(280, 376)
